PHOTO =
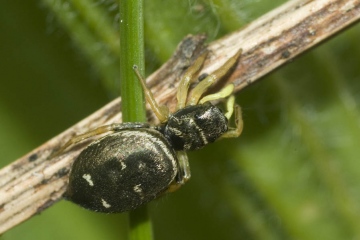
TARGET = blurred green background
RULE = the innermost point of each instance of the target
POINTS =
(293, 174)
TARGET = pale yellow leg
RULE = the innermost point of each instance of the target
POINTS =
(161, 112)
(187, 79)
(230, 105)
(212, 78)
(239, 124)
(184, 173)
(223, 93)
(97, 131)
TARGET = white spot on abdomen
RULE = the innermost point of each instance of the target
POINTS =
(142, 165)
(87, 177)
(137, 188)
(105, 204)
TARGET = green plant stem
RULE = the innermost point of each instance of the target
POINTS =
(131, 52)
(140, 224)
(133, 107)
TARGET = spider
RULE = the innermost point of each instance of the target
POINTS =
(138, 162)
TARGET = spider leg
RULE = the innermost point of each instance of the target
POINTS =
(97, 131)
(161, 112)
(203, 86)
(223, 93)
(239, 124)
(183, 174)
(186, 79)
(230, 106)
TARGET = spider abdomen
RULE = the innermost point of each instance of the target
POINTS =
(122, 171)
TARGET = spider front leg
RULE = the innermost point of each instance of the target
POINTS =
(223, 93)
(204, 85)
(188, 78)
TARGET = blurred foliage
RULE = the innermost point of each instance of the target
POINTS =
(293, 174)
